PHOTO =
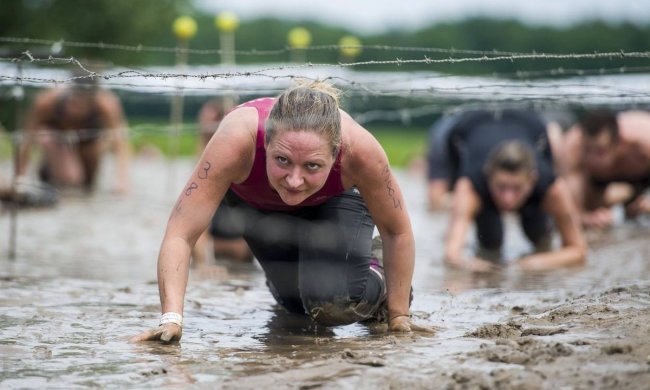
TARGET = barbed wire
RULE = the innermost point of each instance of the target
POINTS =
(381, 88)
(57, 45)
(28, 57)
(413, 84)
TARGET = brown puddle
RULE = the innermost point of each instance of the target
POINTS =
(84, 282)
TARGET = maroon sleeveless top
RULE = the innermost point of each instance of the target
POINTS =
(257, 191)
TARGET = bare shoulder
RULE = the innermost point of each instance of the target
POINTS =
(635, 126)
(634, 116)
(43, 108)
(241, 121)
(362, 151)
(47, 97)
(232, 146)
(557, 196)
(108, 98)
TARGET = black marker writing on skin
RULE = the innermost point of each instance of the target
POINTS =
(202, 174)
(391, 191)
(206, 167)
(191, 188)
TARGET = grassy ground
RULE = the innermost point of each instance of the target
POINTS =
(401, 144)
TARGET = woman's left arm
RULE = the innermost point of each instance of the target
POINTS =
(561, 206)
(367, 168)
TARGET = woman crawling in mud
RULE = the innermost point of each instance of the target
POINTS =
(308, 185)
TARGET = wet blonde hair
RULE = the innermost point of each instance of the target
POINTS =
(309, 106)
(512, 157)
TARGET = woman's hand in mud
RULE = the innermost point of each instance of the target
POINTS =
(473, 264)
(533, 262)
(476, 264)
(404, 324)
(209, 271)
(601, 218)
(640, 205)
(166, 333)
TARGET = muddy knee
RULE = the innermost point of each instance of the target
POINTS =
(341, 311)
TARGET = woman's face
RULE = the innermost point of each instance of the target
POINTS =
(510, 190)
(298, 164)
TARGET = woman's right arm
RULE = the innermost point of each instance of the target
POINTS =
(227, 159)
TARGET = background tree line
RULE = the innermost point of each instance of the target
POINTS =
(149, 23)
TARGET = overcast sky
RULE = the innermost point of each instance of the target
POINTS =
(372, 16)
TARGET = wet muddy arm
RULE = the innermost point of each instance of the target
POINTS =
(559, 204)
(388, 210)
(173, 270)
(190, 217)
(368, 168)
(465, 206)
(226, 159)
(399, 259)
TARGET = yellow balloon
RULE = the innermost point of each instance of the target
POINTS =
(226, 21)
(184, 27)
(347, 43)
(299, 37)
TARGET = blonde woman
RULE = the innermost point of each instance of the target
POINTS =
(310, 184)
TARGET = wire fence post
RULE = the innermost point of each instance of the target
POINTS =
(176, 118)
(184, 28)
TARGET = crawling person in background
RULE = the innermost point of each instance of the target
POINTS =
(504, 164)
(608, 163)
(440, 180)
(311, 184)
(74, 126)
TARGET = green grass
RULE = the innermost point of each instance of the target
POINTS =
(163, 138)
(6, 149)
(402, 144)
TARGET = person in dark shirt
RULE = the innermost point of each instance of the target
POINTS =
(502, 162)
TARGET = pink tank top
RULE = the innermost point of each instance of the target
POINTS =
(257, 191)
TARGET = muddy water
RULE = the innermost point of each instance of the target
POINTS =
(84, 281)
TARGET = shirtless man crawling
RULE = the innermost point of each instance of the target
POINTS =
(607, 161)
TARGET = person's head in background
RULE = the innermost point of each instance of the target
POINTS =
(511, 174)
(211, 114)
(600, 137)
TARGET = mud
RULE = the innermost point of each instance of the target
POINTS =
(83, 282)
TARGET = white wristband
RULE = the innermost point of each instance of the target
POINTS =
(171, 317)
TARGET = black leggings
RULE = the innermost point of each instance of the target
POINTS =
(489, 227)
(316, 259)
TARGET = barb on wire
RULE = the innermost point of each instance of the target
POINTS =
(485, 54)
(253, 52)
